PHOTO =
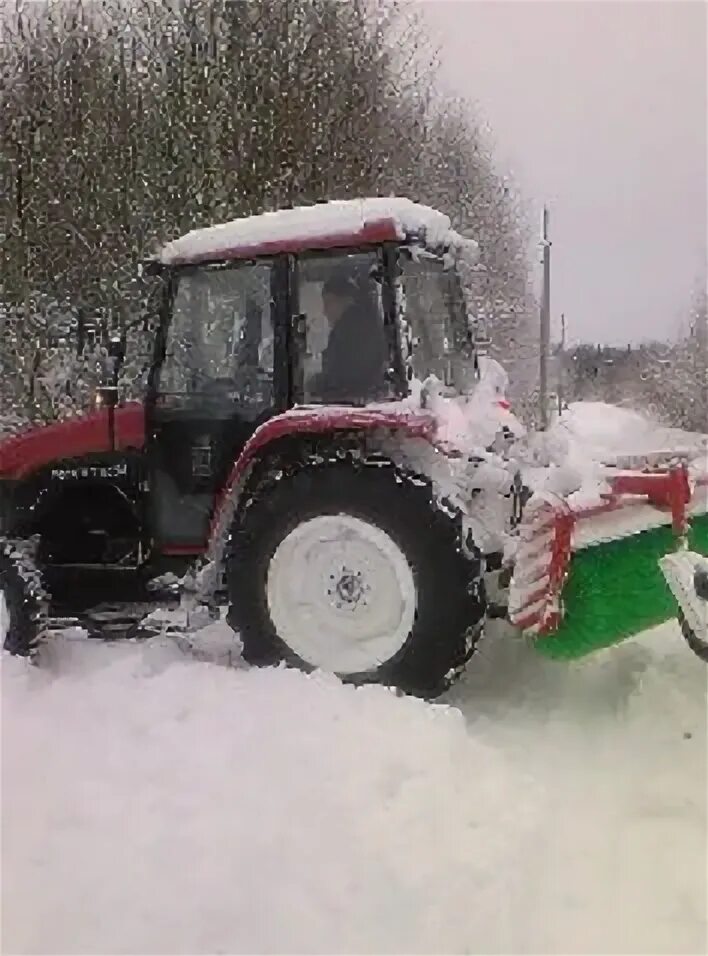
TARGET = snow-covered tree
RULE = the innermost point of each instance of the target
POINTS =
(123, 125)
(675, 376)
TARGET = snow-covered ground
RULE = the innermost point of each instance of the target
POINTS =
(155, 804)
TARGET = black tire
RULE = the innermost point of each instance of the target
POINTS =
(24, 597)
(698, 647)
(450, 606)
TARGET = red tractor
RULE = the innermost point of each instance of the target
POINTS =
(279, 441)
(295, 449)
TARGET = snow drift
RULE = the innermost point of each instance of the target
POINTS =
(607, 433)
(152, 804)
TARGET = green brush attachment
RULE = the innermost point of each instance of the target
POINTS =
(615, 589)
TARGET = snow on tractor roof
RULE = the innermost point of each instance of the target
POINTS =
(327, 225)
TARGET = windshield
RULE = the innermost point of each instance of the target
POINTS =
(436, 318)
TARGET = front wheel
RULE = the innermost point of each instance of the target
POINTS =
(355, 571)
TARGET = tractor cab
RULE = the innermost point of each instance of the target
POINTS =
(341, 303)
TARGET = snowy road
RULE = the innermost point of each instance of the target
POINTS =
(152, 804)
(619, 743)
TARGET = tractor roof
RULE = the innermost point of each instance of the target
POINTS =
(328, 225)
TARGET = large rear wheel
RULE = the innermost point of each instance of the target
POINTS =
(355, 571)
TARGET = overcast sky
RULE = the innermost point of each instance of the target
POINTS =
(599, 108)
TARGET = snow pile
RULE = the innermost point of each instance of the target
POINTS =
(154, 804)
(340, 217)
(607, 433)
(585, 437)
(570, 459)
(619, 739)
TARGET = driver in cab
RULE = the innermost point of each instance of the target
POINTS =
(354, 359)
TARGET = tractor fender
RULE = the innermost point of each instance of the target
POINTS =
(28, 451)
(309, 421)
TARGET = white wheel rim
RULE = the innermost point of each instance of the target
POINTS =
(341, 594)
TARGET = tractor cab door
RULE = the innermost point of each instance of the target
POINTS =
(212, 389)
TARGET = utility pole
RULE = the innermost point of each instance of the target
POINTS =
(545, 317)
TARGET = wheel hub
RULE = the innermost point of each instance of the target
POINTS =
(349, 589)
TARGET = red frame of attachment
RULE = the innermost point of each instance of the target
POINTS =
(669, 489)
